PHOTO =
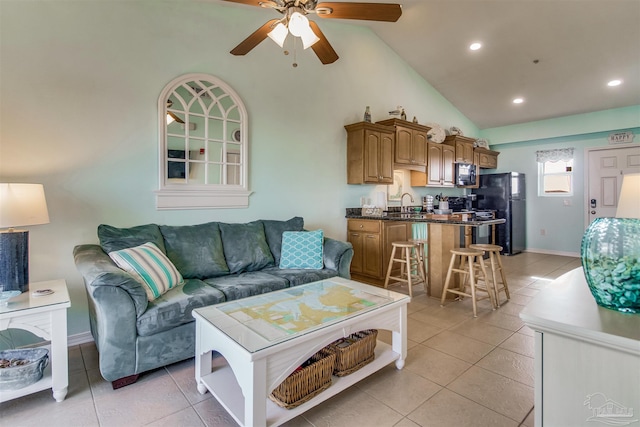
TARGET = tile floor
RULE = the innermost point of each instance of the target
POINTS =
(459, 371)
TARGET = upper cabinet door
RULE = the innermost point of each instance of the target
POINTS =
(404, 138)
(420, 147)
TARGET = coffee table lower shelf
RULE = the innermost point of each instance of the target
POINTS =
(223, 385)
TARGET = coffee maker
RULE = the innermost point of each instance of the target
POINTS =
(471, 204)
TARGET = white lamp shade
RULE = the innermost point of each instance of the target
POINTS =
(278, 34)
(309, 38)
(629, 202)
(298, 23)
(22, 205)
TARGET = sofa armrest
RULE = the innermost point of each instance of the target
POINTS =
(97, 269)
(338, 256)
(115, 300)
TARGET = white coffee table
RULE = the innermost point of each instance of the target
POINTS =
(262, 350)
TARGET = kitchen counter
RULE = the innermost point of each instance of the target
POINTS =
(443, 236)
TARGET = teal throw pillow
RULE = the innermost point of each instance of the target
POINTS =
(149, 266)
(273, 230)
(302, 250)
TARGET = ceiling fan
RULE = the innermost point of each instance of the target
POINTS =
(295, 22)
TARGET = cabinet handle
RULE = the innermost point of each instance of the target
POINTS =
(371, 236)
(356, 235)
(361, 226)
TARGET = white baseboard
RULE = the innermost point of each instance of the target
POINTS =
(77, 339)
(550, 252)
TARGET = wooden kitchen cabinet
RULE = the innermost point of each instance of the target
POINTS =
(410, 144)
(371, 240)
(487, 159)
(463, 148)
(440, 167)
(369, 153)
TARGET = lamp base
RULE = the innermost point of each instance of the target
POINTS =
(14, 260)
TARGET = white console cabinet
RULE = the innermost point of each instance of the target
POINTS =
(587, 358)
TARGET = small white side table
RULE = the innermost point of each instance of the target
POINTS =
(46, 317)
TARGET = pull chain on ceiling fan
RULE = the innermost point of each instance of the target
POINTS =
(296, 22)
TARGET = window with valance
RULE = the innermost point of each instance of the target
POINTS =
(555, 172)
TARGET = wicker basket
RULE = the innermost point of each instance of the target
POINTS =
(353, 352)
(303, 384)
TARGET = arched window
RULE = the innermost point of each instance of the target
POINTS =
(203, 145)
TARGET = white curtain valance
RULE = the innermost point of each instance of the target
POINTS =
(564, 154)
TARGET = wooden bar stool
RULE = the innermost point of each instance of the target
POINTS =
(408, 259)
(496, 265)
(470, 263)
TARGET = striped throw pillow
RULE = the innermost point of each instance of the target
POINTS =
(149, 266)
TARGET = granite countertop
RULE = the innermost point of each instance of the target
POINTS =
(356, 213)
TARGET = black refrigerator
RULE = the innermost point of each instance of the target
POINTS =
(505, 193)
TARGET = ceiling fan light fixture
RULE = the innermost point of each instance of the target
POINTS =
(309, 38)
(298, 24)
(278, 34)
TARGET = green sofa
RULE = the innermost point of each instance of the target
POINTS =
(218, 261)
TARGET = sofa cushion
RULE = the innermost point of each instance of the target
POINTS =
(195, 250)
(148, 265)
(302, 250)
(300, 277)
(245, 247)
(247, 284)
(273, 231)
(114, 239)
(174, 308)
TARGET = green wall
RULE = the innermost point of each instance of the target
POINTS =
(79, 88)
(78, 102)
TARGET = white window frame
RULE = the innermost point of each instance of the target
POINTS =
(185, 195)
(553, 156)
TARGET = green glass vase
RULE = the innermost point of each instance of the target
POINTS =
(611, 261)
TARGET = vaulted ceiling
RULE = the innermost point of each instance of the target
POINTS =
(557, 55)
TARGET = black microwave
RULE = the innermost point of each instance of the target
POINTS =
(465, 174)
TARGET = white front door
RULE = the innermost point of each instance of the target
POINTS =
(605, 168)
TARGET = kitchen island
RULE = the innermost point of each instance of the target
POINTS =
(371, 237)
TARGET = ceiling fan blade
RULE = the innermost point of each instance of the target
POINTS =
(323, 48)
(263, 3)
(388, 12)
(254, 39)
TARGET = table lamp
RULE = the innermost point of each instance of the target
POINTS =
(20, 205)
(611, 252)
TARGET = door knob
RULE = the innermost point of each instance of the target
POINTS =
(593, 212)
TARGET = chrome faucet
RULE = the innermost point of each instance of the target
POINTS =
(402, 208)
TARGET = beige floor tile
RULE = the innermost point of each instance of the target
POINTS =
(154, 396)
(520, 343)
(401, 390)
(41, 409)
(482, 331)
(183, 373)
(511, 365)
(90, 356)
(299, 421)
(510, 307)
(441, 317)
(519, 298)
(527, 291)
(406, 422)
(530, 420)
(419, 331)
(434, 365)
(188, 417)
(501, 394)
(452, 410)
(525, 330)
(213, 414)
(76, 364)
(502, 320)
(460, 346)
(352, 407)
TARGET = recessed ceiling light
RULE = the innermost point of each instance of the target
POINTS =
(615, 82)
(518, 100)
(475, 46)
